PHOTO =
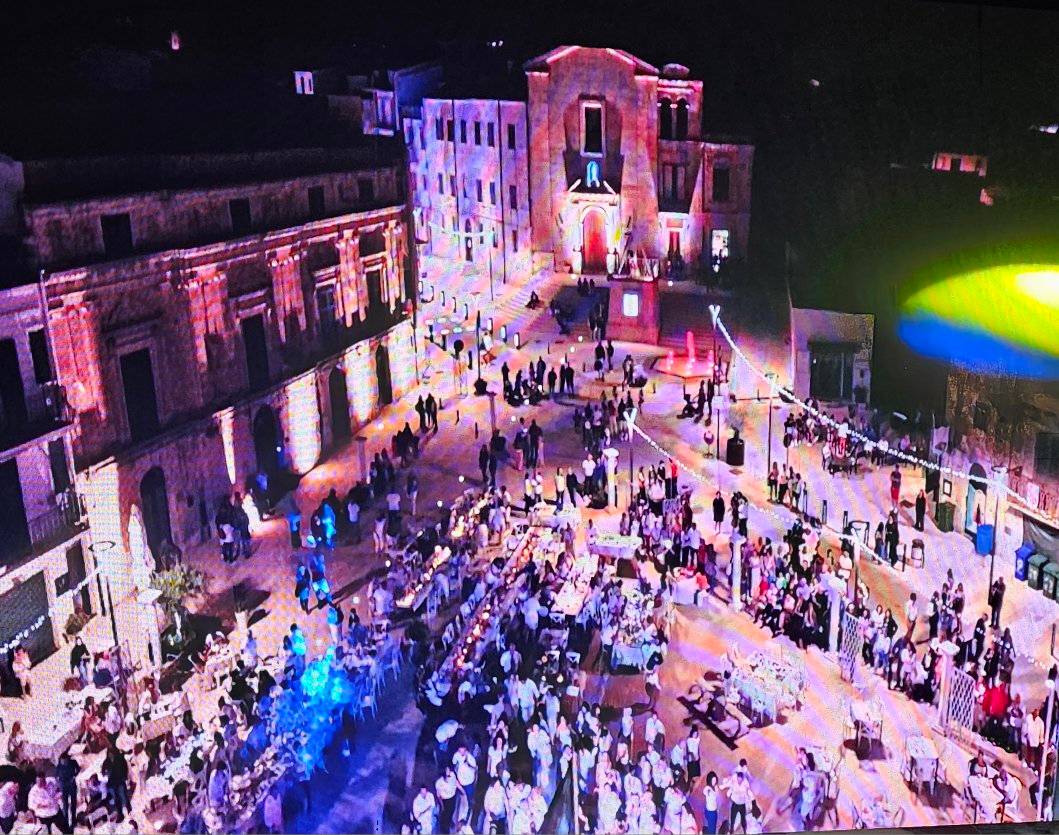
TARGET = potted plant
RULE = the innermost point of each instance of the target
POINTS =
(176, 585)
(77, 621)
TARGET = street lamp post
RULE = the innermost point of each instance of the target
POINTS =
(1047, 742)
(772, 390)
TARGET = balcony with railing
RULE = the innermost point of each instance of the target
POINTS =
(58, 523)
(46, 410)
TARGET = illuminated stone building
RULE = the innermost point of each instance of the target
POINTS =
(603, 159)
(212, 317)
(43, 547)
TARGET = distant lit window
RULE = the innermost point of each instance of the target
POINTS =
(592, 128)
(592, 174)
(718, 248)
(630, 305)
(303, 83)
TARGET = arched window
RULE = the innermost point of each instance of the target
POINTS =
(682, 119)
(592, 174)
(665, 119)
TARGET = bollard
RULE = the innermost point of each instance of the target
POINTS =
(457, 416)
(518, 341)
(503, 332)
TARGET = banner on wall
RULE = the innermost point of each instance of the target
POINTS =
(1044, 539)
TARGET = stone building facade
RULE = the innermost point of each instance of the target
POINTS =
(620, 165)
(468, 172)
(43, 547)
(203, 335)
(605, 161)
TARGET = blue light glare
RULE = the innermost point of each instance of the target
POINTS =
(973, 350)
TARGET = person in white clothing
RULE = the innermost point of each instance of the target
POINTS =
(495, 804)
(466, 767)
(654, 731)
(424, 808)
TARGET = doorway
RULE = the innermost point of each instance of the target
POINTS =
(974, 508)
(594, 242)
(382, 371)
(336, 387)
(267, 448)
(155, 503)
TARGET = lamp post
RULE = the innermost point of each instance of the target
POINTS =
(772, 390)
(1050, 683)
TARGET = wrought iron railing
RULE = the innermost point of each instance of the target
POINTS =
(58, 523)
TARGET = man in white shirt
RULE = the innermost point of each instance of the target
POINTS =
(446, 787)
(1033, 733)
(43, 802)
(526, 693)
(466, 767)
(495, 804)
(654, 730)
(423, 808)
(538, 808)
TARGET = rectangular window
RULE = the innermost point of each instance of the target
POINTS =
(1046, 454)
(630, 305)
(422, 139)
(366, 189)
(514, 240)
(496, 240)
(326, 310)
(511, 137)
(424, 184)
(452, 184)
(60, 467)
(490, 134)
(831, 371)
(441, 184)
(117, 235)
(256, 347)
(141, 399)
(439, 130)
(463, 131)
(372, 242)
(477, 133)
(317, 209)
(239, 215)
(492, 192)
(38, 351)
(674, 243)
(721, 183)
(512, 197)
(478, 190)
(13, 412)
(450, 130)
(592, 128)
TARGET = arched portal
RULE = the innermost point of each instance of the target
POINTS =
(594, 241)
(154, 501)
(681, 131)
(267, 446)
(336, 388)
(382, 371)
(974, 507)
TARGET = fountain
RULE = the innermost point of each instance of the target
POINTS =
(691, 367)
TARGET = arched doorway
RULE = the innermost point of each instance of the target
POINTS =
(336, 388)
(154, 502)
(681, 131)
(974, 509)
(468, 242)
(267, 446)
(382, 371)
(594, 241)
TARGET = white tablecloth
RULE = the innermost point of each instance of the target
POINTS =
(624, 655)
(615, 545)
(548, 516)
(48, 736)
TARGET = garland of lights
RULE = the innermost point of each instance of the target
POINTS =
(17, 640)
(883, 445)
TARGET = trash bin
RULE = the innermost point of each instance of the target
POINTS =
(1051, 580)
(735, 452)
(1035, 571)
(1022, 561)
(983, 540)
(944, 516)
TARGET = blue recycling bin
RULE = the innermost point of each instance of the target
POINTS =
(1022, 561)
(983, 540)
